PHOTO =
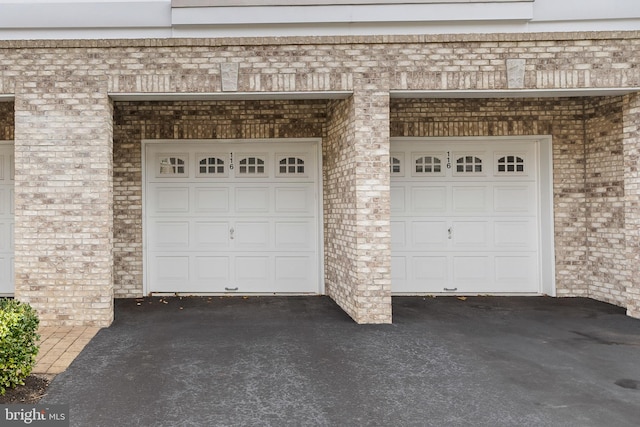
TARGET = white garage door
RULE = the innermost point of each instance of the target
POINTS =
(6, 219)
(234, 217)
(465, 217)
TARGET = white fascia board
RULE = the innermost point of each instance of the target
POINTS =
(85, 14)
(432, 12)
(221, 3)
(399, 28)
(593, 10)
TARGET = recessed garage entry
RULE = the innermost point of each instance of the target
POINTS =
(6, 218)
(466, 217)
(238, 217)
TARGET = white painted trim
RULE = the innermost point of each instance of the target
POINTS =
(11, 143)
(398, 28)
(319, 201)
(343, 14)
(145, 261)
(522, 93)
(546, 235)
(92, 14)
(222, 3)
(226, 96)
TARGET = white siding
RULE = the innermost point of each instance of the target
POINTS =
(49, 19)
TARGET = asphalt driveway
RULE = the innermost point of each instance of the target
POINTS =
(300, 361)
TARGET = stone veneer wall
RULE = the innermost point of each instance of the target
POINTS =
(64, 199)
(608, 275)
(561, 118)
(340, 214)
(631, 155)
(136, 121)
(6, 121)
(61, 89)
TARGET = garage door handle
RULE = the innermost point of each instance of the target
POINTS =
(450, 232)
(231, 231)
(230, 289)
(450, 289)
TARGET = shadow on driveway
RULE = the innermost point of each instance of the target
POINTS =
(300, 361)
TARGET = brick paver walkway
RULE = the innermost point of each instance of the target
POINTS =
(59, 346)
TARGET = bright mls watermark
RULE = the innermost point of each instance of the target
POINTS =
(34, 415)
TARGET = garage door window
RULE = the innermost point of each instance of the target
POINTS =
(469, 164)
(291, 166)
(510, 164)
(252, 166)
(172, 165)
(210, 165)
(396, 165)
(428, 165)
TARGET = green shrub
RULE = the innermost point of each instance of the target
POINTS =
(18, 349)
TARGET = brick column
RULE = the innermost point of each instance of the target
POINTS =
(373, 192)
(64, 199)
(358, 204)
(631, 150)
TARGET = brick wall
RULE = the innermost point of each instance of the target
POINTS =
(631, 154)
(604, 187)
(447, 62)
(373, 203)
(340, 216)
(64, 200)
(561, 118)
(62, 113)
(136, 121)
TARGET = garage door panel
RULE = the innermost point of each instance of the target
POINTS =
(169, 199)
(398, 199)
(252, 235)
(398, 269)
(398, 235)
(425, 200)
(211, 235)
(211, 200)
(212, 271)
(471, 270)
(470, 199)
(4, 205)
(291, 271)
(4, 275)
(252, 272)
(252, 200)
(431, 269)
(171, 269)
(221, 225)
(294, 200)
(520, 271)
(170, 235)
(12, 198)
(470, 234)
(4, 237)
(428, 234)
(449, 227)
(292, 235)
(515, 234)
(514, 198)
